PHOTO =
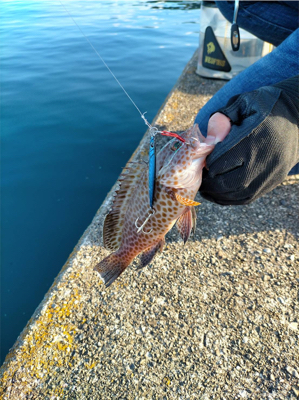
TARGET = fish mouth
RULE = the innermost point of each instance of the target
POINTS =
(191, 134)
(201, 150)
(194, 134)
(196, 140)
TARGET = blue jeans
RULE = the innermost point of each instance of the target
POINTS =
(275, 22)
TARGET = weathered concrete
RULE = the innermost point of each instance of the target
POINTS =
(214, 319)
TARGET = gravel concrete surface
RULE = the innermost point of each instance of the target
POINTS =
(214, 319)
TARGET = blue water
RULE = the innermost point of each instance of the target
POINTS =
(66, 127)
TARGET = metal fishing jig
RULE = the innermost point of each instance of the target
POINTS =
(152, 169)
(152, 159)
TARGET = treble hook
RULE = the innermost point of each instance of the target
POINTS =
(140, 228)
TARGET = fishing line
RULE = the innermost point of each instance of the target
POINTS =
(153, 130)
(103, 61)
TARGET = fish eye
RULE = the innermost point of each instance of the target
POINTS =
(176, 146)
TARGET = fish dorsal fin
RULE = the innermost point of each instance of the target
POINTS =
(113, 225)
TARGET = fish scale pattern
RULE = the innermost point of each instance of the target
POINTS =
(114, 220)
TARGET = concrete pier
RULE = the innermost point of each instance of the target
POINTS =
(217, 318)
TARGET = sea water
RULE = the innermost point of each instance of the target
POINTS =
(66, 127)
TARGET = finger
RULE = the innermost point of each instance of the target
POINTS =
(219, 127)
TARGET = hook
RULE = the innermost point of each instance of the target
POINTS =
(140, 228)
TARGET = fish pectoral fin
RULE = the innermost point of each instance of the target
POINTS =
(148, 255)
(185, 201)
(185, 224)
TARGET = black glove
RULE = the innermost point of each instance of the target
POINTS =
(261, 148)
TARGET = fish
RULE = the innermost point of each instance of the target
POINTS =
(132, 227)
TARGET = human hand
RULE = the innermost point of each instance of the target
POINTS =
(257, 137)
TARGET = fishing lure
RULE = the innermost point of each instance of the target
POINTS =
(152, 160)
(152, 169)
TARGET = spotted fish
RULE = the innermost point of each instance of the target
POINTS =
(132, 227)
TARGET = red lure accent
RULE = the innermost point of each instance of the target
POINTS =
(166, 133)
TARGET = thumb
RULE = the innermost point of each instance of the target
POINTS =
(219, 127)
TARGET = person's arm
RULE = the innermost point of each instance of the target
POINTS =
(261, 147)
(280, 64)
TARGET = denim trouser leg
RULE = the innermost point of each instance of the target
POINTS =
(271, 21)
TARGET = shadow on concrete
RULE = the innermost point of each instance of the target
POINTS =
(278, 210)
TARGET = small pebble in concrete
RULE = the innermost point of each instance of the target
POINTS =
(268, 251)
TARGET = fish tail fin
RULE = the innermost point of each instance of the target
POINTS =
(111, 267)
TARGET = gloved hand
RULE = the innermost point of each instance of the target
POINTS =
(261, 147)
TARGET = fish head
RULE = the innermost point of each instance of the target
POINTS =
(167, 151)
(182, 168)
